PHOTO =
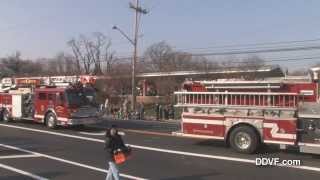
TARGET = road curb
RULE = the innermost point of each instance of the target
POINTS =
(140, 125)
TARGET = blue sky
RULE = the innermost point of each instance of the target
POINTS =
(41, 28)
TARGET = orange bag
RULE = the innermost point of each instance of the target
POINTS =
(119, 158)
(128, 152)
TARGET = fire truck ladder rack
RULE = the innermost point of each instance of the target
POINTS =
(252, 100)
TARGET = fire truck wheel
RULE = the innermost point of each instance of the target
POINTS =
(5, 116)
(51, 120)
(244, 139)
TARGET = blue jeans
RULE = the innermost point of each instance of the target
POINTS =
(113, 172)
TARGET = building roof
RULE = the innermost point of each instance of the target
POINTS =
(268, 71)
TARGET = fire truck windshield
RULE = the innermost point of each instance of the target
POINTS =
(81, 98)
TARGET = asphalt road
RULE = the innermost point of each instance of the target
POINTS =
(30, 151)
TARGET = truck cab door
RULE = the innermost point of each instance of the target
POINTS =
(51, 101)
(41, 104)
(60, 105)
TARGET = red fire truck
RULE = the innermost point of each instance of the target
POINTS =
(246, 114)
(54, 101)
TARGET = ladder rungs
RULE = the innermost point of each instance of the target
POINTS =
(238, 99)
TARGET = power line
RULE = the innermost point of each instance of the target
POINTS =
(285, 59)
(264, 60)
(255, 48)
(222, 66)
(269, 60)
(252, 44)
(245, 47)
(144, 59)
(280, 60)
(271, 50)
(252, 50)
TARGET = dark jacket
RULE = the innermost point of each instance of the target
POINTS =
(113, 143)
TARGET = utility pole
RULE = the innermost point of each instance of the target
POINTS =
(138, 10)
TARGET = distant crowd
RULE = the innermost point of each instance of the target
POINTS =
(123, 111)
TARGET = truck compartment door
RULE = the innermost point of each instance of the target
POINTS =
(16, 105)
(309, 130)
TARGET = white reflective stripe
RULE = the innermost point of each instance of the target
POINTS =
(94, 134)
(278, 142)
(309, 115)
(200, 121)
(202, 115)
(307, 92)
(198, 136)
(235, 93)
(22, 172)
(309, 144)
(62, 119)
(280, 119)
(38, 116)
(6, 105)
(275, 131)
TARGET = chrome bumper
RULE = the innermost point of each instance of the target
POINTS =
(79, 121)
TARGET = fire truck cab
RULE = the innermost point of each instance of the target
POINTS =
(63, 105)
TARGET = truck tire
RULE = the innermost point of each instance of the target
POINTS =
(51, 120)
(244, 139)
(5, 116)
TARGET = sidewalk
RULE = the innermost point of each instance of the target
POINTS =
(146, 125)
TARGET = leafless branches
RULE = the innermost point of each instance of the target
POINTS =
(91, 52)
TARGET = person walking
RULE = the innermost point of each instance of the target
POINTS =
(171, 111)
(160, 112)
(157, 111)
(125, 108)
(106, 106)
(113, 144)
(165, 112)
(141, 111)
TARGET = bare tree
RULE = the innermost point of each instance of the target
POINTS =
(31, 68)
(71, 65)
(14, 65)
(181, 61)
(299, 72)
(4, 70)
(92, 52)
(61, 64)
(159, 56)
(252, 62)
(13, 62)
(100, 51)
(75, 46)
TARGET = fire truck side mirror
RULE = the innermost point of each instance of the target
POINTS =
(121, 133)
